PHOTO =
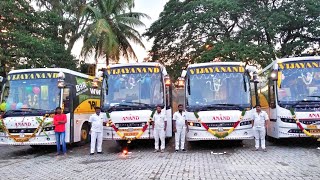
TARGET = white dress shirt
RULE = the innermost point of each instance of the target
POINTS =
(97, 122)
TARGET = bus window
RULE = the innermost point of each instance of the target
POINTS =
(66, 100)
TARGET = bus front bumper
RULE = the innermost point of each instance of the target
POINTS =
(199, 135)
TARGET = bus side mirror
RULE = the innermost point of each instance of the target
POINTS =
(1, 79)
(274, 75)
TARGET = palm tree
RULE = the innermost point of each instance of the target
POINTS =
(112, 28)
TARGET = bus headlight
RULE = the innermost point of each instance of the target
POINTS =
(117, 125)
(143, 124)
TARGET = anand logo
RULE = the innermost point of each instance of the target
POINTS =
(24, 124)
(39, 75)
(133, 70)
(217, 69)
(314, 115)
(299, 65)
(221, 118)
(130, 118)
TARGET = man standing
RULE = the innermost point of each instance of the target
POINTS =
(96, 121)
(180, 127)
(159, 129)
(259, 127)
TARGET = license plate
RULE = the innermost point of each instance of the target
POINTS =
(130, 129)
(131, 133)
(312, 127)
(21, 135)
(315, 131)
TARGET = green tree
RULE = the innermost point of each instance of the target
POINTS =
(65, 21)
(26, 40)
(233, 30)
(112, 29)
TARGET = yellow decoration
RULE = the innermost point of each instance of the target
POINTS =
(27, 138)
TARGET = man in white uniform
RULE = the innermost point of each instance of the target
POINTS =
(96, 121)
(180, 127)
(259, 127)
(159, 129)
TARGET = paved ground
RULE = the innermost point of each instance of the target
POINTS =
(205, 160)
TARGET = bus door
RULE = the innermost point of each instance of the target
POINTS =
(67, 101)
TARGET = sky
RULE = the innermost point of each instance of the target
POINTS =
(150, 7)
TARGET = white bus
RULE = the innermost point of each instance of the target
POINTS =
(29, 98)
(130, 94)
(291, 89)
(217, 101)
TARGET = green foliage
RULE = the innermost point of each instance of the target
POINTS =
(111, 29)
(255, 31)
(27, 40)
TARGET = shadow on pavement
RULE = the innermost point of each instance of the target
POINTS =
(294, 142)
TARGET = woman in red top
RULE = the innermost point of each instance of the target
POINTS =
(59, 121)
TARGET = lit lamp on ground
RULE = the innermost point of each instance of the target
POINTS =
(61, 83)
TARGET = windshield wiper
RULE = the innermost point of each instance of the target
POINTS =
(137, 103)
(230, 105)
(303, 101)
(314, 96)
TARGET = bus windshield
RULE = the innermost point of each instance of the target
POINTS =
(136, 89)
(298, 85)
(218, 89)
(42, 94)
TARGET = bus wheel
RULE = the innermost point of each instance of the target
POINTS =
(271, 139)
(85, 134)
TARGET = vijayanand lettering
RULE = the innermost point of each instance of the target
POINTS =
(133, 70)
(217, 69)
(33, 75)
(299, 65)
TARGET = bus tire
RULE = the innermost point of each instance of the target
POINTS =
(85, 136)
(271, 139)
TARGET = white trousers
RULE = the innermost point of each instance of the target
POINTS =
(180, 137)
(96, 137)
(159, 133)
(260, 134)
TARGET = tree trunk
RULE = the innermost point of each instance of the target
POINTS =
(107, 60)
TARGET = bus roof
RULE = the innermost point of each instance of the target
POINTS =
(64, 70)
(164, 71)
(290, 59)
(214, 64)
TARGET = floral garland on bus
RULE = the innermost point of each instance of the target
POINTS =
(25, 139)
(220, 135)
(144, 128)
(299, 124)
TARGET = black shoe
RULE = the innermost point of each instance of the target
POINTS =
(183, 150)
(91, 153)
(176, 151)
(100, 152)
